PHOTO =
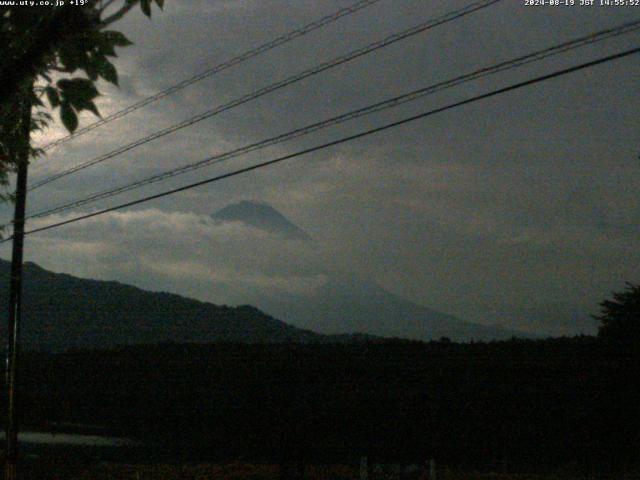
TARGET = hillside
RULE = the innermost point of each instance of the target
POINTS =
(62, 311)
(347, 302)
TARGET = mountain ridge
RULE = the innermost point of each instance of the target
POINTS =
(349, 303)
(61, 311)
(346, 304)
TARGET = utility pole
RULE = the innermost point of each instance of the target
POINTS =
(20, 154)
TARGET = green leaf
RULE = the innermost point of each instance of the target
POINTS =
(37, 102)
(78, 89)
(68, 117)
(146, 7)
(92, 108)
(108, 71)
(107, 49)
(92, 69)
(115, 38)
(52, 96)
(73, 55)
(79, 94)
(68, 60)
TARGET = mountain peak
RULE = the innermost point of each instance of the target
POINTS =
(262, 216)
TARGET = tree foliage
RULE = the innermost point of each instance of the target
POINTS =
(620, 316)
(527, 405)
(55, 55)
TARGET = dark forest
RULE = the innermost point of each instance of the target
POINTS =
(523, 405)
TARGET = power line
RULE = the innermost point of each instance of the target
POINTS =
(370, 109)
(451, 16)
(349, 138)
(281, 40)
(275, 86)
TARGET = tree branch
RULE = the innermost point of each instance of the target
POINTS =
(128, 5)
(106, 5)
(27, 66)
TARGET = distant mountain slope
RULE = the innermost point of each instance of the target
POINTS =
(62, 311)
(347, 304)
(262, 216)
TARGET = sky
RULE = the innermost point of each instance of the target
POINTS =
(521, 210)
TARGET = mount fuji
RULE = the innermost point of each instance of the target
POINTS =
(261, 216)
(348, 303)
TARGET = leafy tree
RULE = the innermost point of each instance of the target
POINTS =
(43, 49)
(620, 317)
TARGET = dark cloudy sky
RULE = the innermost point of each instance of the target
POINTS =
(522, 209)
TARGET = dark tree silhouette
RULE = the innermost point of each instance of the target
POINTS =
(620, 317)
(42, 48)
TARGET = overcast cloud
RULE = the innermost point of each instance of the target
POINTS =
(521, 209)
